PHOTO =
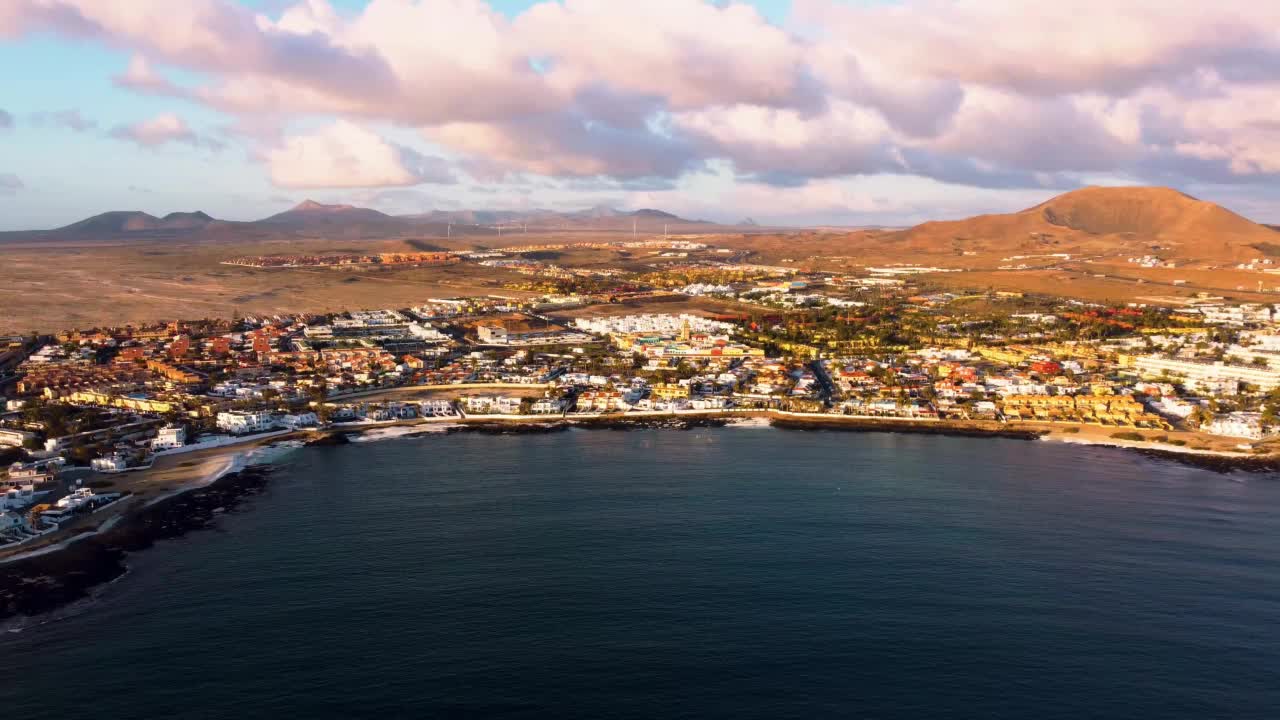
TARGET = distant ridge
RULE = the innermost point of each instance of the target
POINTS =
(123, 221)
(310, 212)
(1183, 226)
(312, 217)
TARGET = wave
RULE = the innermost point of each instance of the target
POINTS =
(400, 432)
(750, 422)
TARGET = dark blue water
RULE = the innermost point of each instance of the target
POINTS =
(744, 573)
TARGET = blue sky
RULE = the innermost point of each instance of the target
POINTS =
(812, 112)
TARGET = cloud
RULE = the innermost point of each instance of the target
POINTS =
(162, 130)
(346, 155)
(141, 77)
(690, 52)
(10, 184)
(6, 120)
(983, 93)
(68, 119)
(565, 144)
(1049, 49)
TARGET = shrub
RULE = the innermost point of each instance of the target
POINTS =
(1127, 435)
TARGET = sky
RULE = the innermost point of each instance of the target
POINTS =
(795, 112)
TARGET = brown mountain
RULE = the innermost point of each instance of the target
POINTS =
(126, 221)
(1104, 220)
(310, 212)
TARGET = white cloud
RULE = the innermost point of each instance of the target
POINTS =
(345, 155)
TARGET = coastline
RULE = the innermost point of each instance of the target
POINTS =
(35, 584)
(183, 493)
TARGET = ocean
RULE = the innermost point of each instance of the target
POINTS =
(711, 573)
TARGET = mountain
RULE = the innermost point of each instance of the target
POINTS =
(1104, 219)
(130, 221)
(310, 212)
(310, 218)
(655, 214)
(186, 220)
(600, 217)
(599, 212)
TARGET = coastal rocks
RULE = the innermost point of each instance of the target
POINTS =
(890, 426)
(1216, 463)
(660, 423)
(45, 582)
(329, 440)
(510, 428)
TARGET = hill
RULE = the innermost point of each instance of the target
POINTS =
(315, 219)
(1142, 220)
(127, 221)
(310, 212)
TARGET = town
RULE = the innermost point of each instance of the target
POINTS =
(82, 406)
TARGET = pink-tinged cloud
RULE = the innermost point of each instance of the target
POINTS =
(345, 155)
(984, 92)
(162, 130)
(689, 52)
(141, 77)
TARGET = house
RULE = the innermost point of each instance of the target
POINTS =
(15, 438)
(600, 401)
(299, 420)
(435, 408)
(34, 473)
(109, 463)
(492, 334)
(1238, 424)
(10, 522)
(170, 437)
(487, 405)
(547, 406)
(15, 497)
(238, 422)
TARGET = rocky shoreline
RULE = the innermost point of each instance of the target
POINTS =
(1216, 463)
(910, 428)
(47, 581)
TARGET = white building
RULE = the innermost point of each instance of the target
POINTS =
(239, 422)
(659, 324)
(299, 420)
(14, 438)
(17, 496)
(547, 406)
(491, 405)
(10, 522)
(435, 408)
(109, 464)
(1236, 315)
(1237, 424)
(493, 334)
(169, 438)
(1197, 373)
(76, 500)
